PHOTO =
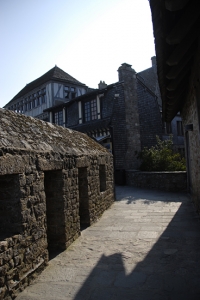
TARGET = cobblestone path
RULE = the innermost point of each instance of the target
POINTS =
(146, 246)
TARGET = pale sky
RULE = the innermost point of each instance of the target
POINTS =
(88, 39)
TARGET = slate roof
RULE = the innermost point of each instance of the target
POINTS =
(22, 133)
(55, 74)
(93, 125)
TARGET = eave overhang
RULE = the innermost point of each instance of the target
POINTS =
(176, 26)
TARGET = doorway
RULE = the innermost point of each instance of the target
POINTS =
(53, 184)
(83, 198)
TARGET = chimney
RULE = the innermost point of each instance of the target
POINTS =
(102, 85)
(153, 61)
(125, 71)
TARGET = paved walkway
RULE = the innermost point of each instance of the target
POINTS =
(146, 246)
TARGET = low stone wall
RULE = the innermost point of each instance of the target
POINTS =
(53, 181)
(165, 181)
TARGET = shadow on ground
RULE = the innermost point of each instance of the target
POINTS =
(171, 269)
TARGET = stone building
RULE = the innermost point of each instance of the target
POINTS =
(123, 116)
(52, 181)
(177, 39)
(174, 127)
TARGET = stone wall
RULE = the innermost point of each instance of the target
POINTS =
(149, 115)
(165, 181)
(191, 115)
(40, 202)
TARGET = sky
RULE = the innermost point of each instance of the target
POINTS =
(88, 39)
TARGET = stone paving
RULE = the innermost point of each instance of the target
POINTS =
(146, 246)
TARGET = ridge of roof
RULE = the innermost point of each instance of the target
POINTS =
(54, 73)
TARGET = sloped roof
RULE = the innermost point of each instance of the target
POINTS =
(149, 78)
(93, 125)
(55, 73)
(176, 26)
(21, 133)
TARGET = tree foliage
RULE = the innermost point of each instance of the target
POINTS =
(161, 157)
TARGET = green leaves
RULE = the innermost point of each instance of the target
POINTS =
(161, 157)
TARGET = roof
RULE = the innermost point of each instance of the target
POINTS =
(176, 26)
(55, 74)
(93, 125)
(21, 133)
(102, 138)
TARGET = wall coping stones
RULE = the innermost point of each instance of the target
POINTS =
(171, 181)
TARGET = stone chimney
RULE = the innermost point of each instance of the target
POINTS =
(125, 71)
(153, 61)
(127, 75)
(102, 85)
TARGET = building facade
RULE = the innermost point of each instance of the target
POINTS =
(52, 88)
(177, 44)
(124, 116)
(149, 78)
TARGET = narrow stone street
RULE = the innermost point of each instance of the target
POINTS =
(146, 246)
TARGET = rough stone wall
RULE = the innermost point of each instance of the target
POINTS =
(133, 139)
(23, 248)
(39, 194)
(164, 181)
(72, 114)
(149, 115)
(191, 115)
(118, 123)
(178, 140)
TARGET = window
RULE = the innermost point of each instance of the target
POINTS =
(90, 110)
(73, 93)
(69, 92)
(44, 95)
(58, 118)
(66, 92)
(168, 128)
(179, 126)
(38, 101)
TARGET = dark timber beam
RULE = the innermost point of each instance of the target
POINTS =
(182, 49)
(184, 24)
(173, 84)
(170, 100)
(176, 70)
(174, 5)
(171, 96)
